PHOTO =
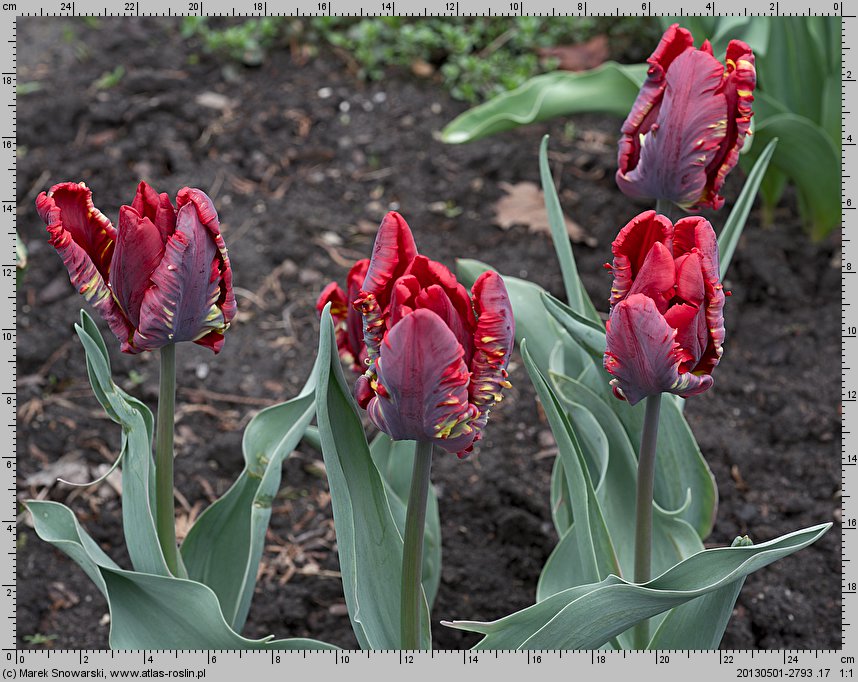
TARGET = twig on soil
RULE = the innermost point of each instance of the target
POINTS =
(207, 395)
(35, 188)
(40, 374)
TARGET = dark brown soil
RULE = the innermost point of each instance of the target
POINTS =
(302, 161)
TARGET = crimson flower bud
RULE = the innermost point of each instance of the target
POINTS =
(688, 123)
(162, 277)
(666, 328)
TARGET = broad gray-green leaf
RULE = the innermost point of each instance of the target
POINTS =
(148, 611)
(699, 623)
(732, 230)
(586, 617)
(223, 548)
(673, 538)
(576, 294)
(609, 88)
(368, 540)
(680, 465)
(395, 461)
(138, 474)
(594, 549)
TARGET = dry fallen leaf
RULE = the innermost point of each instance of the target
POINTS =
(524, 204)
(579, 57)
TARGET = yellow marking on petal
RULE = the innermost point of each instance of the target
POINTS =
(743, 93)
(745, 64)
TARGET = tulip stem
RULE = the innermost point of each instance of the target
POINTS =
(643, 509)
(412, 551)
(666, 207)
(165, 516)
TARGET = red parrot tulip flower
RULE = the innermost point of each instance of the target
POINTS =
(666, 328)
(688, 123)
(437, 355)
(162, 277)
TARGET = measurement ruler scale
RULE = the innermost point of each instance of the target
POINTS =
(264, 665)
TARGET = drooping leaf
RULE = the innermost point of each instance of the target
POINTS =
(368, 541)
(138, 473)
(586, 617)
(609, 88)
(148, 611)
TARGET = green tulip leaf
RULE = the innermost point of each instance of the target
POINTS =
(680, 465)
(224, 547)
(368, 540)
(673, 538)
(610, 88)
(138, 473)
(700, 623)
(595, 554)
(148, 611)
(576, 294)
(588, 616)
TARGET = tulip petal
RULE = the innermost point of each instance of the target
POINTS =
(84, 238)
(696, 233)
(394, 249)
(403, 293)
(334, 295)
(156, 207)
(422, 384)
(738, 87)
(689, 321)
(138, 252)
(691, 125)
(347, 320)
(643, 355)
(632, 246)
(429, 272)
(208, 217)
(182, 304)
(690, 287)
(434, 298)
(644, 112)
(493, 342)
(657, 276)
(70, 203)
(354, 321)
